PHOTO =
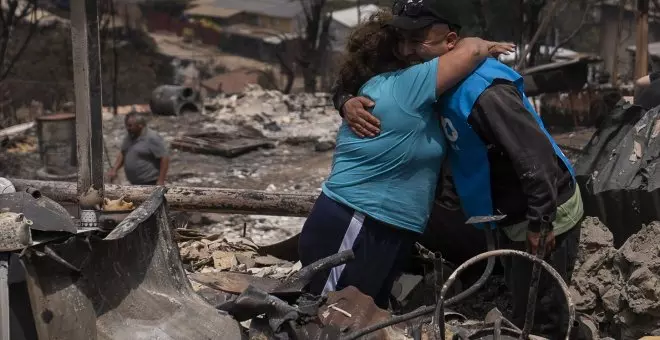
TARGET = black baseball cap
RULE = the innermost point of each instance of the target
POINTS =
(417, 14)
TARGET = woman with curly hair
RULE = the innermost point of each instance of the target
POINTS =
(377, 198)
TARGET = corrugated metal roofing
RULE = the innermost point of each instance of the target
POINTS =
(654, 49)
(349, 16)
(273, 8)
(212, 11)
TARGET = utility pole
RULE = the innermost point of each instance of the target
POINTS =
(642, 43)
(89, 120)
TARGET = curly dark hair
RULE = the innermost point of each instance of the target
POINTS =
(371, 50)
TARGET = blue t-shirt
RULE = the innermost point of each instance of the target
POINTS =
(392, 177)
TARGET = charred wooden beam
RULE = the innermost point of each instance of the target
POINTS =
(87, 83)
(234, 201)
(642, 39)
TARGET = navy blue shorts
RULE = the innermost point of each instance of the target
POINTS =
(381, 250)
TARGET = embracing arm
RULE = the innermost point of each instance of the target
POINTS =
(339, 98)
(453, 67)
(458, 63)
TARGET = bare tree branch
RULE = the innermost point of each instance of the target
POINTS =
(17, 12)
(315, 40)
(656, 4)
(573, 34)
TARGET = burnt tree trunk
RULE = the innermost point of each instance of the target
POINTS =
(315, 42)
(534, 9)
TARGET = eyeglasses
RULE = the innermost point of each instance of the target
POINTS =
(410, 8)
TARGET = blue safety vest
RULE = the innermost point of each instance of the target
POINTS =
(468, 154)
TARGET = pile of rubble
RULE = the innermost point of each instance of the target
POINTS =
(293, 118)
(619, 287)
(263, 230)
(216, 253)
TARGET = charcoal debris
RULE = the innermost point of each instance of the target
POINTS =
(294, 118)
(209, 253)
(619, 287)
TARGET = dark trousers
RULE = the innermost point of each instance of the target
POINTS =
(380, 250)
(146, 183)
(551, 313)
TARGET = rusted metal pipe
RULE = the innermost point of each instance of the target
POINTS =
(452, 278)
(439, 316)
(234, 201)
(508, 252)
(546, 225)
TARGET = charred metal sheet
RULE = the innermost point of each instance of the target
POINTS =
(53, 255)
(237, 283)
(561, 76)
(219, 144)
(139, 215)
(260, 330)
(233, 282)
(45, 214)
(272, 318)
(618, 173)
(214, 297)
(254, 302)
(14, 232)
(300, 279)
(132, 287)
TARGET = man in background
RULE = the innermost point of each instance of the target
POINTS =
(143, 154)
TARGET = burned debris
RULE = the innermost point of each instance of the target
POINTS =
(619, 287)
(219, 144)
(121, 269)
(270, 114)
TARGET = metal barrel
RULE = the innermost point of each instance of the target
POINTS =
(172, 100)
(57, 143)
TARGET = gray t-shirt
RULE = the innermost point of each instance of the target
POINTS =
(142, 157)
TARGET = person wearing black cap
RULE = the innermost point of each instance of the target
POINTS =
(377, 198)
(502, 159)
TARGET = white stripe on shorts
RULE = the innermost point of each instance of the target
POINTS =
(346, 243)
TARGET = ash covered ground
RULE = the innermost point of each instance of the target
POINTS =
(301, 126)
(619, 288)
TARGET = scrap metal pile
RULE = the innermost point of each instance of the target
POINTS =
(615, 291)
(618, 289)
(237, 277)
